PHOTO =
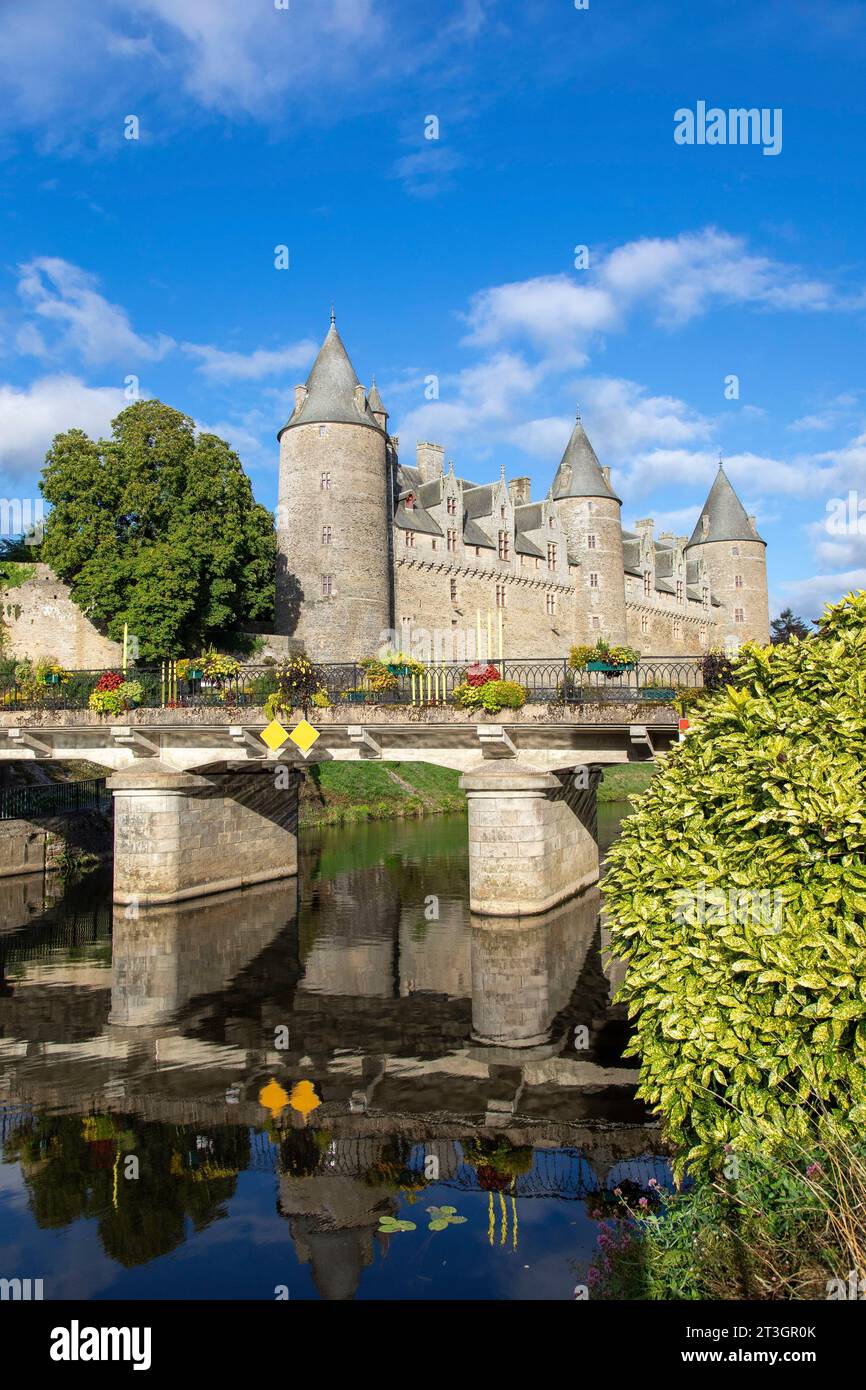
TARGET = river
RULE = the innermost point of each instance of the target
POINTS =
(344, 1087)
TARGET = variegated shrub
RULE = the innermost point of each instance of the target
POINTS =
(737, 894)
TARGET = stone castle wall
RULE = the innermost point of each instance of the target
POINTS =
(41, 620)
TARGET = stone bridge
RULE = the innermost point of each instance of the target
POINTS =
(203, 805)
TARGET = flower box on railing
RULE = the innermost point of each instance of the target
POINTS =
(395, 670)
(665, 693)
(195, 674)
(51, 678)
(610, 668)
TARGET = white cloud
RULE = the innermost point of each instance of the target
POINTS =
(674, 278)
(550, 310)
(810, 596)
(427, 172)
(30, 417)
(219, 365)
(88, 325)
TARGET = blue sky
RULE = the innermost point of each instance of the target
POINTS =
(454, 257)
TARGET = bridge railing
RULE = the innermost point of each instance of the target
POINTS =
(24, 803)
(545, 680)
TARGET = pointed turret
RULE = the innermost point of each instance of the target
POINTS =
(377, 409)
(333, 394)
(589, 511)
(723, 516)
(734, 559)
(579, 473)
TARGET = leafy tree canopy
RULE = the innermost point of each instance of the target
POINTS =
(737, 895)
(157, 527)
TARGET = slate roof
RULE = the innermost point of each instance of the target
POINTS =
(579, 473)
(727, 515)
(331, 389)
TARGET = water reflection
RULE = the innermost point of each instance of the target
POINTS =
(356, 1038)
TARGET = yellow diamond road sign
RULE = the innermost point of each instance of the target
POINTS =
(304, 736)
(275, 735)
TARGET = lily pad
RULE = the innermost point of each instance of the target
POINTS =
(388, 1225)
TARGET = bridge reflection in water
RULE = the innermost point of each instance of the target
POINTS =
(436, 1051)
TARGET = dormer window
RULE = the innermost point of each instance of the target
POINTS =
(647, 584)
(410, 502)
(451, 506)
(502, 512)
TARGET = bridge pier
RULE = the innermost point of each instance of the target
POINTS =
(532, 836)
(180, 835)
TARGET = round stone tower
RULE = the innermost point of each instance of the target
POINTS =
(735, 559)
(333, 515)
(591, 516)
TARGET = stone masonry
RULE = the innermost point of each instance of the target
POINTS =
(179, 835)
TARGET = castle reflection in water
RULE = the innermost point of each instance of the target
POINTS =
(357, 1034)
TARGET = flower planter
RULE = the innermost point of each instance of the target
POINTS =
(52, 678)
(356, 697)
(398, 670)
(195, 675)
(608, 668)
(662, 693)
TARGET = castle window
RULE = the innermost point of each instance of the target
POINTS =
(590, 542)
(552, 521)
(551, 604)
(593, 580)
(451, 506)
(452, 540)
(409, 539)
(537, 561)
(326, 481)
(647, 584)
(735, 550)
(453, 590)
(703, 635)
(323, 430)
(326, 535)
(477, 551)
(644, 623)
(678, 629)
(739, 615)
(738, 581)
(502, 512)
(410, 501)
(551, 555)
(503, 545)
(705, 598)
(327, 585)
(595, 622)
(500, 595)
(433, 545)
(679, 591)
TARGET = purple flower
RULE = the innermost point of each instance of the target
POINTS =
(814, 1170)
(643, 1202)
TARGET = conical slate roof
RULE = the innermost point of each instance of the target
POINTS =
(726, 514)
(374, 400)
(331, 389)
(579, 473)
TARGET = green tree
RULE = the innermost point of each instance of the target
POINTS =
(158, 528)
(737, 896)
(786, 626)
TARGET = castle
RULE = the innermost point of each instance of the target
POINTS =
(370, 549)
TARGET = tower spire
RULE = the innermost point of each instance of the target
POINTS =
(333, 315)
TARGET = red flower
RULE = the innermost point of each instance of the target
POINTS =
(479, 674)
(109, 680)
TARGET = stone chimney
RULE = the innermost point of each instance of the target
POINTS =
(645, 527)
(753, 522)
(360, 395)
(518, 491)
(430, 460)
(300, 397)
(605, 473)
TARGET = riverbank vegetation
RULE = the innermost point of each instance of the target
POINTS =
(335, 793)
(737, 896)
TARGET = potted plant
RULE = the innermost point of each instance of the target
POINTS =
(114, 695)
(653, 691)
(377, 678)
(399, 664)
(612, 661)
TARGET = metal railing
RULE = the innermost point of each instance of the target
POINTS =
(62, 798)
(545, 680)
